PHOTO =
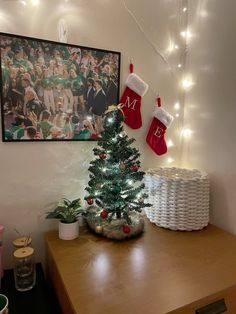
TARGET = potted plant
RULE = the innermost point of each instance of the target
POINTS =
(67, 212)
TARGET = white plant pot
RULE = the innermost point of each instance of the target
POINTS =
(68, 231)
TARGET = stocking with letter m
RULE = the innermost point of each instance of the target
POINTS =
(130, 101)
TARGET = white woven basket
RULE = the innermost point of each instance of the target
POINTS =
(180, 198)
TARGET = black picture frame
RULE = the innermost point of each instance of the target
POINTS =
(52, 91)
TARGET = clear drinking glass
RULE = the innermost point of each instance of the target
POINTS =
(24, 268)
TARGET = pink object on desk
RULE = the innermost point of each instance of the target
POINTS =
(1, 250)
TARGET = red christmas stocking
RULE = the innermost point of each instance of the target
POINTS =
(161, 121)
(130, 101)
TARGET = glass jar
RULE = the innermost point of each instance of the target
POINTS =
(24, 268)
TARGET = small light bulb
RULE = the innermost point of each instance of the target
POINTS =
(104, 169)
(177, 106)
(110, 120)
(187, 84)
(186, 34)
(186, 132)
(177, 115)
(170, 160)
(176, 47)
(96, 193)
(170, 143)
(184, 9)
(130, 182)
(89, 118)
(23, 2)
(179, 65)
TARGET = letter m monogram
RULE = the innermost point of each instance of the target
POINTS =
(130, 104)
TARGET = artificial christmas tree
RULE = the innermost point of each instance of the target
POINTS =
(115, 193)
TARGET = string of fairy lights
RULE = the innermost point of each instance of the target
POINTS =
(179, 45)
(185, 81)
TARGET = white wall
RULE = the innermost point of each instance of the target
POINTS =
(210, 107)
(34, 175)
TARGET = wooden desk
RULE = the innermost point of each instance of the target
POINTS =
(162, 271)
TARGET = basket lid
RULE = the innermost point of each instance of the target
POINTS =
(23, 252)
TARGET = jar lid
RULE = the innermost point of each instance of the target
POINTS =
(21, 242)
(23, 252)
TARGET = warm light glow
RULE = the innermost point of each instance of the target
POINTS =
(35, 2)
(177, 106)
(186, 132)
(177, 115)
(170, 160)
(186, 34)
(170, 47)
(104, 169)
(23, 2)
(203, 14)
(170, 143)
(184, 9)
(110, 120)
(179, 65)
(187, 84)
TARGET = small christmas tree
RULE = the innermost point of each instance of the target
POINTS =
(114, 184)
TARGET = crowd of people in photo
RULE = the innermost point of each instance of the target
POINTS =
(54, 91)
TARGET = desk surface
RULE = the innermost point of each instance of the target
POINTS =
(158, 272)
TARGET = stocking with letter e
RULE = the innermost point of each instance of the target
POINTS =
(156, 134)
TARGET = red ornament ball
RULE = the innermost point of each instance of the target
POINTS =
(90, 200)
(135, 168)
(104, 214)
(102, 156)
(126, 229)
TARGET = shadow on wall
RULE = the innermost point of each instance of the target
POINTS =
(219, 202)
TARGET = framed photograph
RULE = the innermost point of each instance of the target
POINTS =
(53, 91)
